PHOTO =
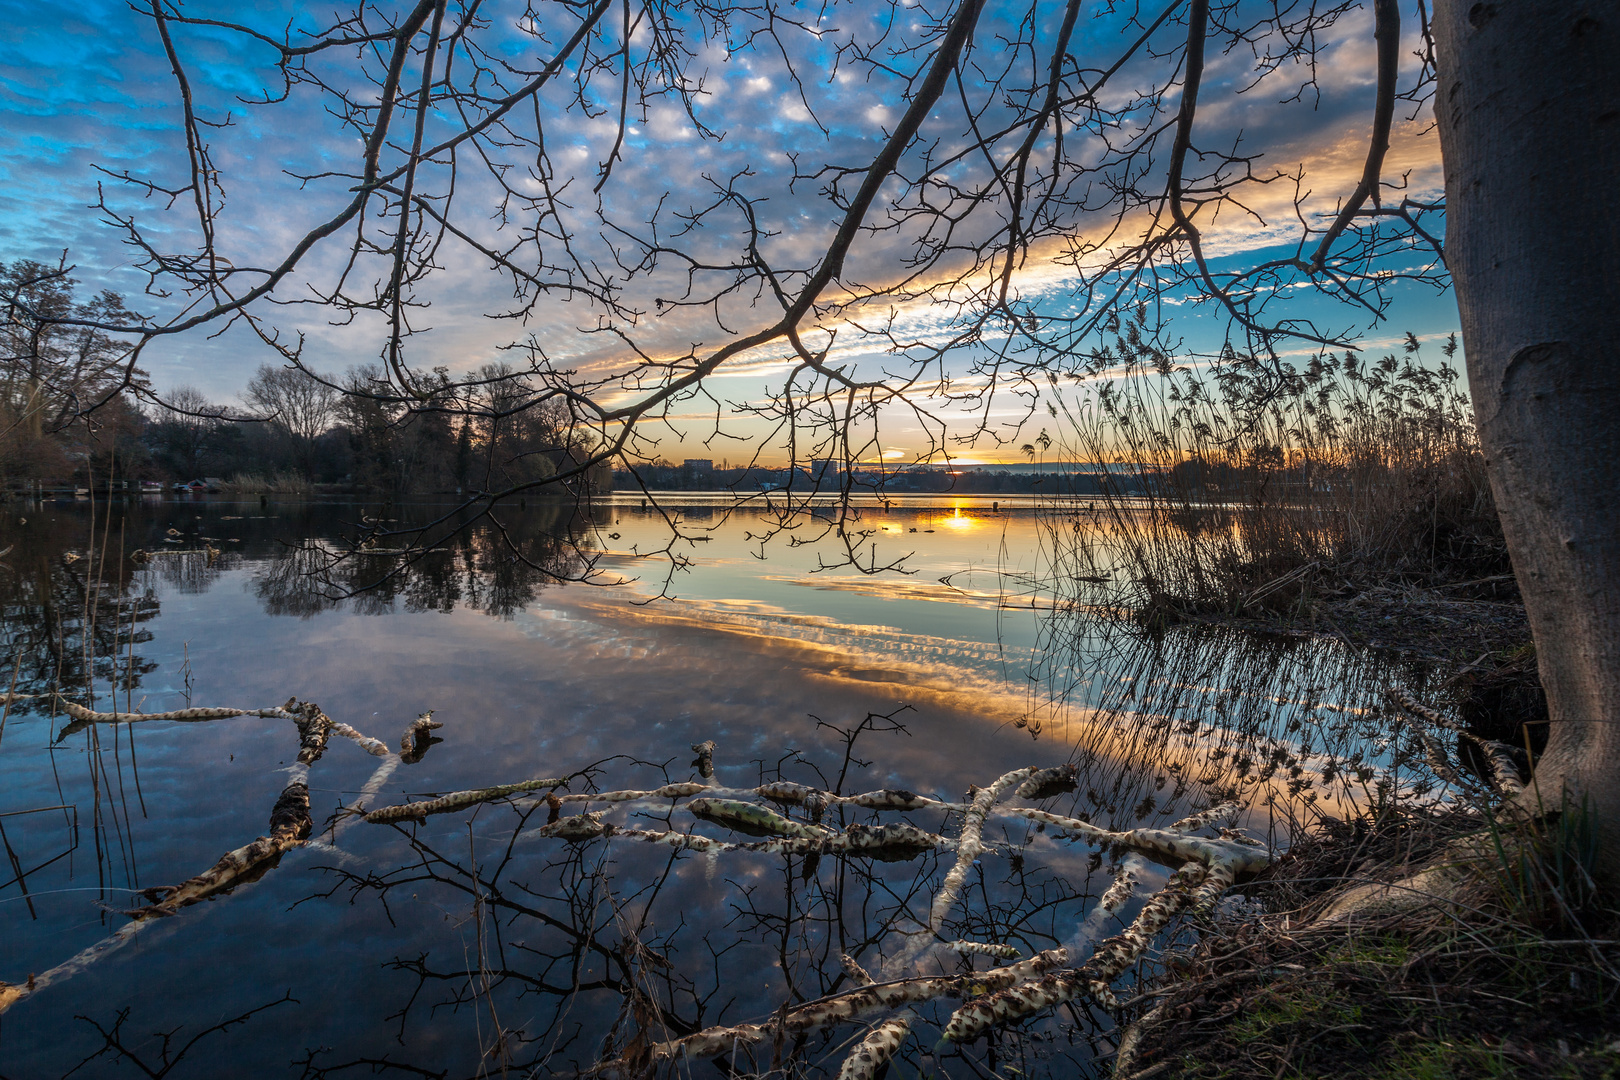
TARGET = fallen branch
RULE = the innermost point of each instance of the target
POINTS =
(801, 795)
(969, 846)
(1130, 1043)
(705, 758)
(10, 993)
(419, 811)
(668, 791)
(314, 729)
(1046, 783)
(876, 1049)
(853, 968)
(1242, 857)
(290, 826)
(1106, 964)
(414, 743)
(981, 948)
(858, 839)
(89, 716)
(1504, 778)
(314, 726)
(1210, 867)
(1204, 819)
(1119, 892)
(751, 817)
(849, 1006)
(375, 747)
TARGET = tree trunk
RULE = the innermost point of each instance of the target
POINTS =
(1528, 105)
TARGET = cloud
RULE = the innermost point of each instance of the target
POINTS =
(92, 86)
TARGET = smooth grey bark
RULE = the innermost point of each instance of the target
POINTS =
(1528, 105)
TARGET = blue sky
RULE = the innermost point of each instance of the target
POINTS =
(88, 85)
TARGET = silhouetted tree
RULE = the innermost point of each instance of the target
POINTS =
(298, 404)
(57, 365)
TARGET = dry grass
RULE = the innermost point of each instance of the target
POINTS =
(1517, 975)
(1346, 499)
(282, 483)
(1270, 488)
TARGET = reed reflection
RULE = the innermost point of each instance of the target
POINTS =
(72, 612)
(1289, 724)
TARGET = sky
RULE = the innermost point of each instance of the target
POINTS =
(87, 94)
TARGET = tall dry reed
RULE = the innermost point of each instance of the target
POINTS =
(281, 483)
(1247, 486)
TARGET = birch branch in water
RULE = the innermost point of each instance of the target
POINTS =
(876, 1049)
(375, 747)
(1242, 857)
(970, 845)
(1106, 964)
(290, 826)
(894, 838)
(456, 800)
(89, 716)
(751, 817)
(846, 1007)
(668, 791)
(1000, 995)
(1210, 867)
(314, 726)
(1504, 779)
(414, 743)
(83, 717)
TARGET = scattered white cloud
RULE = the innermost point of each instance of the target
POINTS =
(91, 86)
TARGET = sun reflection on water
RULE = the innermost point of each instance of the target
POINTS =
(959, 522)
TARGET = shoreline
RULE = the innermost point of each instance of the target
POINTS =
(1515, 973)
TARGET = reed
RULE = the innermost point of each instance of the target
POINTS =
(281, 483)
(1252, 487)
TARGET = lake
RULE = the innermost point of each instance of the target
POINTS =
(585, 643)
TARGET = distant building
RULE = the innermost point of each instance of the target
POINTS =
(823, 468)
(699, 464)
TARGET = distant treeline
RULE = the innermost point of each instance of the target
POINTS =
(74, 410)
(668, 476)
(317, 434)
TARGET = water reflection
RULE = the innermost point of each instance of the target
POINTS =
(465, 945)
(483, 564)
(69, 616)
(1292, 726)
(76, 591)
(476, 568)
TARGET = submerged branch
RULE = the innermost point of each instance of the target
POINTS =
(876, 1049)
(290, 826)
(456, 800)
(849, 1006)
(1504, 778)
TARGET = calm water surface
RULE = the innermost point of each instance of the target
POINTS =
(462, 947)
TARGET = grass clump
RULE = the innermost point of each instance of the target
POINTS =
(1516, 974)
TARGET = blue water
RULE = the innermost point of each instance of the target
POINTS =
(457, 949)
